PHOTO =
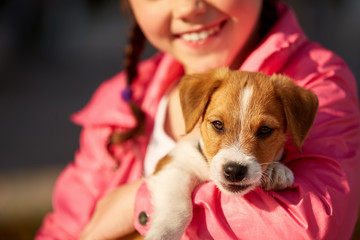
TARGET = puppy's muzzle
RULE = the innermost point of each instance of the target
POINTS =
(234, 172)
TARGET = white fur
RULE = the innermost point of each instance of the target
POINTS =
(171, 190)
(245, 99)
(234, 154)
(277, 177)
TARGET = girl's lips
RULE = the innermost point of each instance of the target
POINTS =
(201, 34)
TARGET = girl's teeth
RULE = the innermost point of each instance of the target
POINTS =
(193, 37)
(203, 34)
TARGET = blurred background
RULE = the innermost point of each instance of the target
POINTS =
(55, 53)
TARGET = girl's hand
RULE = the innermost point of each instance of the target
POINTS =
(113, 216)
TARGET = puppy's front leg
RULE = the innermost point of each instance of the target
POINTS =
(171, 190)
(171, 196)
(277, 176)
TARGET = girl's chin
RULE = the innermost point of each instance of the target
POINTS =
(206, 61)
(200, 66)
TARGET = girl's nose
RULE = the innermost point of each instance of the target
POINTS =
(189, 9)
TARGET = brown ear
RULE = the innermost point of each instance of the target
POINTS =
(300, 106)
(195, 92)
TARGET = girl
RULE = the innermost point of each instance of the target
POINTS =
(135, 118)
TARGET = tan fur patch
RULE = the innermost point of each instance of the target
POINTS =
(163, 162)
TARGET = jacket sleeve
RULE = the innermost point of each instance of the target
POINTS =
(322, 203)
(79, 186)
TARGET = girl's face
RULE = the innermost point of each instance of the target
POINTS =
(201, 34)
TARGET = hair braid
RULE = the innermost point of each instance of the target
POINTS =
(133, 52)
(132, 56)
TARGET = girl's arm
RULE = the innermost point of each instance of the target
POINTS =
(80, 186)
(111, 219)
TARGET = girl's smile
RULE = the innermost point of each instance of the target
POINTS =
(201, 38)
(202, 33)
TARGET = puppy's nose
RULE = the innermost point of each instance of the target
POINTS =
(234, 172)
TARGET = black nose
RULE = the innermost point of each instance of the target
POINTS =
(234, 172)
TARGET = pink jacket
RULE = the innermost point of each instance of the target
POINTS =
(323, 202)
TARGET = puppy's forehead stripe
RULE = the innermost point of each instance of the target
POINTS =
(245, 99)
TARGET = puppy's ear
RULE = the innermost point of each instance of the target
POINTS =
(195, 92)
(300, 106)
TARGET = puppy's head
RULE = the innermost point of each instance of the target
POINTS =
(244, 120)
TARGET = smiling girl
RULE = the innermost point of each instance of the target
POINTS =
(195, 32)
(135, 118)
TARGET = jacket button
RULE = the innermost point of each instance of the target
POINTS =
(143, 218)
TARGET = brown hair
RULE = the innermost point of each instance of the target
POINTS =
(133, 52)
(132, 56)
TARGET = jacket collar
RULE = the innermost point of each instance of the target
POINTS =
(278, 46)
(107, 108)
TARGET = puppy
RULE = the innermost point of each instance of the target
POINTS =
(244, 120)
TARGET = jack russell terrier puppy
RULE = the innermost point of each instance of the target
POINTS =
(244, 120)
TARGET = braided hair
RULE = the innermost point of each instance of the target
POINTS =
(133, 53)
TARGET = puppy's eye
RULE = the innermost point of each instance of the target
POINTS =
(218, 125)
(264, 132)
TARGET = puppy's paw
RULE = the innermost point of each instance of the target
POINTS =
(277, 177)
(162, 236)
(170, 221)
(167, 230)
